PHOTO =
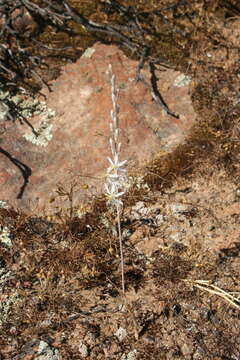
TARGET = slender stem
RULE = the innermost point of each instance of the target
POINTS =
(121, 248)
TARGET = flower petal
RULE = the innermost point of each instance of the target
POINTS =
(122, 163)
(110, 160)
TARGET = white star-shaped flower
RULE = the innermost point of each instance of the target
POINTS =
(115, 164)
(113, 194)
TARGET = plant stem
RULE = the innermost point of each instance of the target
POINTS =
(121, 247)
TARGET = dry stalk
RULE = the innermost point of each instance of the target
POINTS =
(213, 289)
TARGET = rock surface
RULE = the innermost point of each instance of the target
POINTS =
(72, 143)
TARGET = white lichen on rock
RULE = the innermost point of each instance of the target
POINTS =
(5, 306)
(5, 275)
(3, 204)
(3, 110)
(6, 299)
(182, 80)
(43, 135)
(27, 108)
(88, 53)
(46, 352)
(132, 355)
(5, 236)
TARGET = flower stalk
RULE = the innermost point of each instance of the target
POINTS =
(116, 177)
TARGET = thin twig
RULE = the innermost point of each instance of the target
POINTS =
(213, 289)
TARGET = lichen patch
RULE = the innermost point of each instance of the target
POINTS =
(43, 134)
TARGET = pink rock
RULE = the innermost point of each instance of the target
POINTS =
(76, 139)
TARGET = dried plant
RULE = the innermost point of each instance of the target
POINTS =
(232, 298)
(117, 178)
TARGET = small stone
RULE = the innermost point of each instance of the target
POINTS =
(83, 349)
(46, 352)
(177, 208)
(111, 349)
(238, 192)
(132, 355)
(180, 209)
(159, 219)
(139, 210)
(29, 357)
(121, 333)
(176, 236)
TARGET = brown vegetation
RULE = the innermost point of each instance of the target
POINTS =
(65, 274)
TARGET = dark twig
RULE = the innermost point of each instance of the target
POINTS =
(24, 169)
(157, 97)
(153, 87)
(19, 65)
(141, 63)
(95, 27)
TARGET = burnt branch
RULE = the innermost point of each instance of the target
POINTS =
(23, 168)
(99, 28)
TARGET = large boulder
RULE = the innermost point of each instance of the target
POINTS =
(72, 144)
